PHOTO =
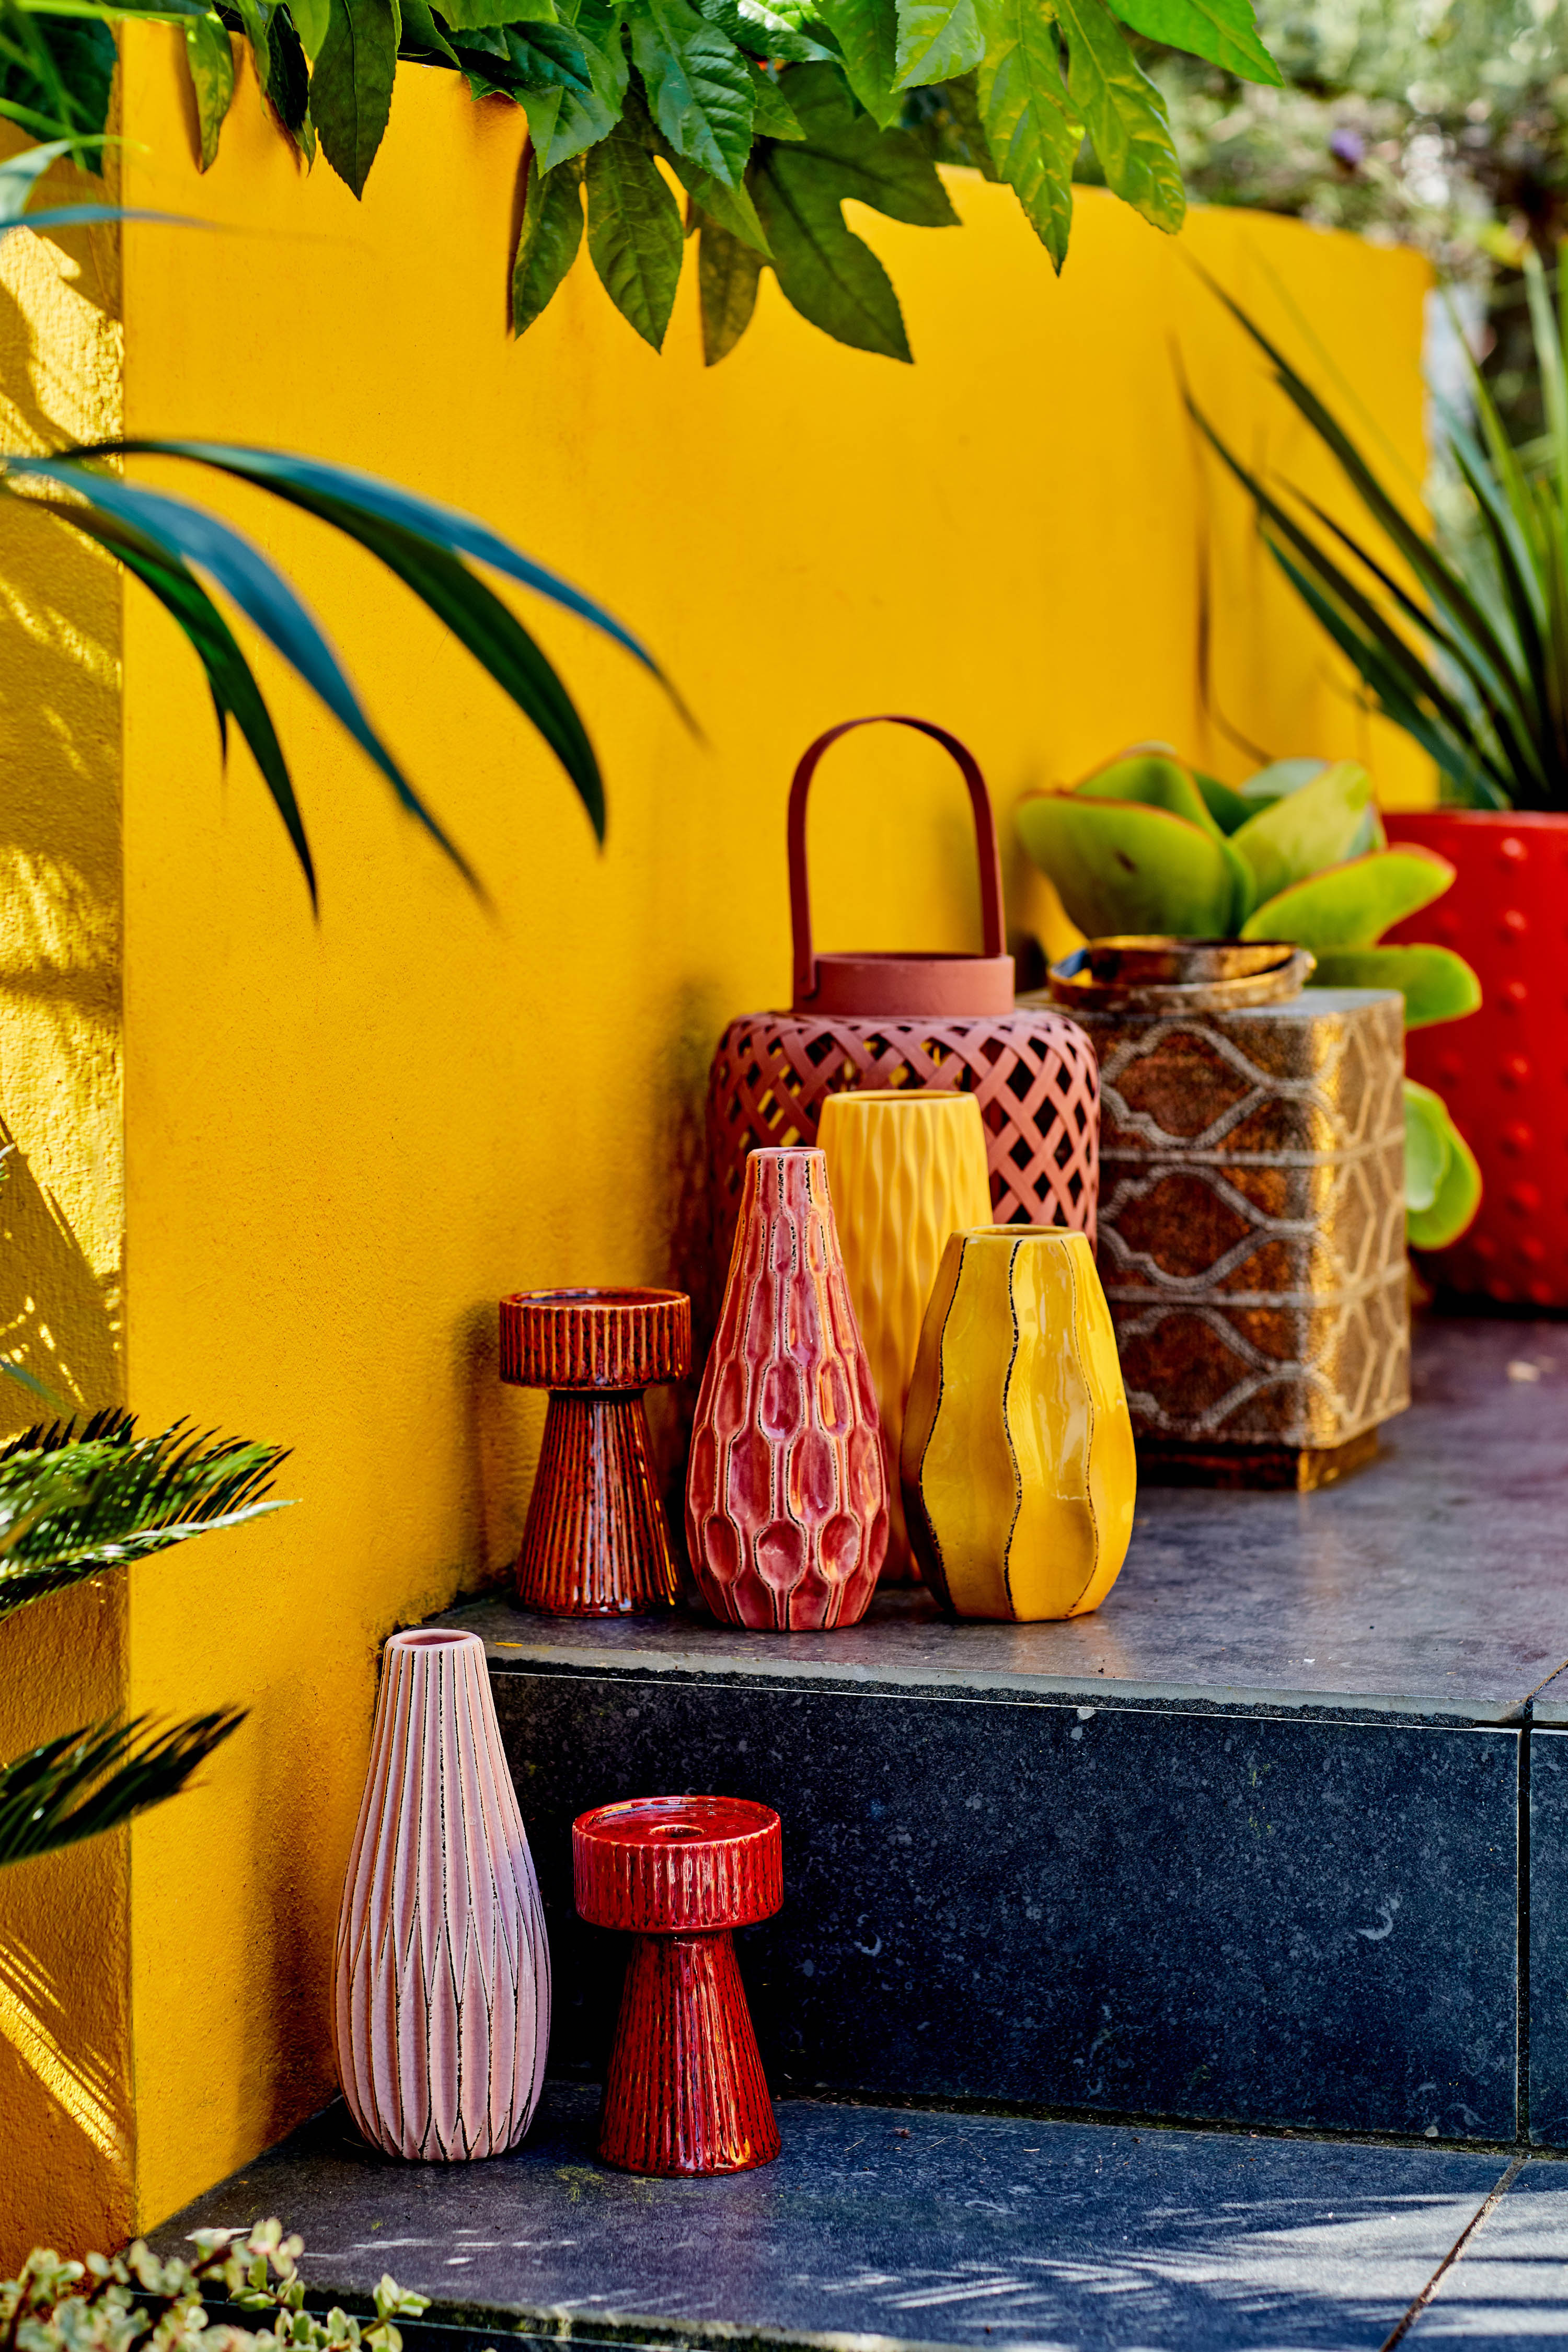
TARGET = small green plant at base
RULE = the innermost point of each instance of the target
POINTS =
(1147, 844)
(123, 2302)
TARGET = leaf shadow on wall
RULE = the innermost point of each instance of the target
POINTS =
(59, 1319)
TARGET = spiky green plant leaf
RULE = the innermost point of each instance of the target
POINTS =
(90, 1781)
(73, 1505)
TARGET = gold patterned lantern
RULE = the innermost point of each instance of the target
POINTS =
(1251, 1209)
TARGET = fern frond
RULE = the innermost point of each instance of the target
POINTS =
(92, 1779)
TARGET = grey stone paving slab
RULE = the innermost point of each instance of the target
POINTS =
(897, 2226)
(1431, 1582)
(1509, 2286)
(1205, 1916)
(1549, 1937)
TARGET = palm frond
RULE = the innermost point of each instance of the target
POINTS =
(429, 547)
(92, 1779)
(71, 1505)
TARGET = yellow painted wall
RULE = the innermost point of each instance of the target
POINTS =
(345, 1139)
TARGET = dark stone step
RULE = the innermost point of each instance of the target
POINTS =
(880, 2228)
(1242, 1846)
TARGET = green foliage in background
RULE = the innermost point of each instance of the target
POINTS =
(1148, 845)
(768, 114)
(74, 1505)
(1465, 645)
(135, 2302)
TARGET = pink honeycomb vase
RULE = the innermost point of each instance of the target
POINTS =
(786, 1500)
(442, 1974)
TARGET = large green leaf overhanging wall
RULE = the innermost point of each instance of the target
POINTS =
(767, 116)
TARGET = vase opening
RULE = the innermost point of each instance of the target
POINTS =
(436, 1641)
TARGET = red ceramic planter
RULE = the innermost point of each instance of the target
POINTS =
(1503, 1072)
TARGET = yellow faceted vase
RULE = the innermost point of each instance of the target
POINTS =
(906, 1168)
(1019, 1477)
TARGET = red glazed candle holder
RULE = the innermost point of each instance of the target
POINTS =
(597, 1543)
(685, 2092)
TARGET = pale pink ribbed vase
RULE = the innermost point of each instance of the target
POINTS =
(442, 1977)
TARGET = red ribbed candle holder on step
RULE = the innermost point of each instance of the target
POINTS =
(597, 1543)
(685, 2092)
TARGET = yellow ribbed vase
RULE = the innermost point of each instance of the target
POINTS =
(1018, 1471)
(906, 1167)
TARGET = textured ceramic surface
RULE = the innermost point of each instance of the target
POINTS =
(786, 1499)
(1018, 1471)
(597, 1543)
(905, 1169)
(1252, 1220)
(1504, 1071)
(684, 2091)
(1032, 1072)
(889, 2226)
(442, 1971)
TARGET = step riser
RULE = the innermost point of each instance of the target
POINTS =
(1221, 1917)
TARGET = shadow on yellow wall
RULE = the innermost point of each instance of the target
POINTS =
(345, 1140)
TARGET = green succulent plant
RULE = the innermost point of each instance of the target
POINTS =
(1148, 845)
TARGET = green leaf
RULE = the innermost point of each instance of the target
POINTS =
(699, 86)
(514, 60)
(963, 105)
(93, 1780)
(72, 1505)
(1426, 1148)
(762, 32)
(773, 117)
(937, 38)
(230, 680)
(1228, 808)
(548, 241)
(1154, 777)
(1031, 129)
(825, 272)
(1457, 1192)
(1123, 114)
(1352, 905)
(727, 275)
(310, 22)
(867, 32)
(481, 15)
(634, 234)
(1120, 867)
(351, 89)
(561, 124)
(1224, 31)
(210, 59)
(888, 169)
(288, 82)
(1436, 984)
(1305, 831)
(728, 208)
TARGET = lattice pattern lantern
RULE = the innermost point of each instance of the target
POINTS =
(909, 1020)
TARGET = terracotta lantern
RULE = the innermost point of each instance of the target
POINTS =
(912, 1021)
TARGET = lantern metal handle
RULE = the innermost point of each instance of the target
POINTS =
(985, 840)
